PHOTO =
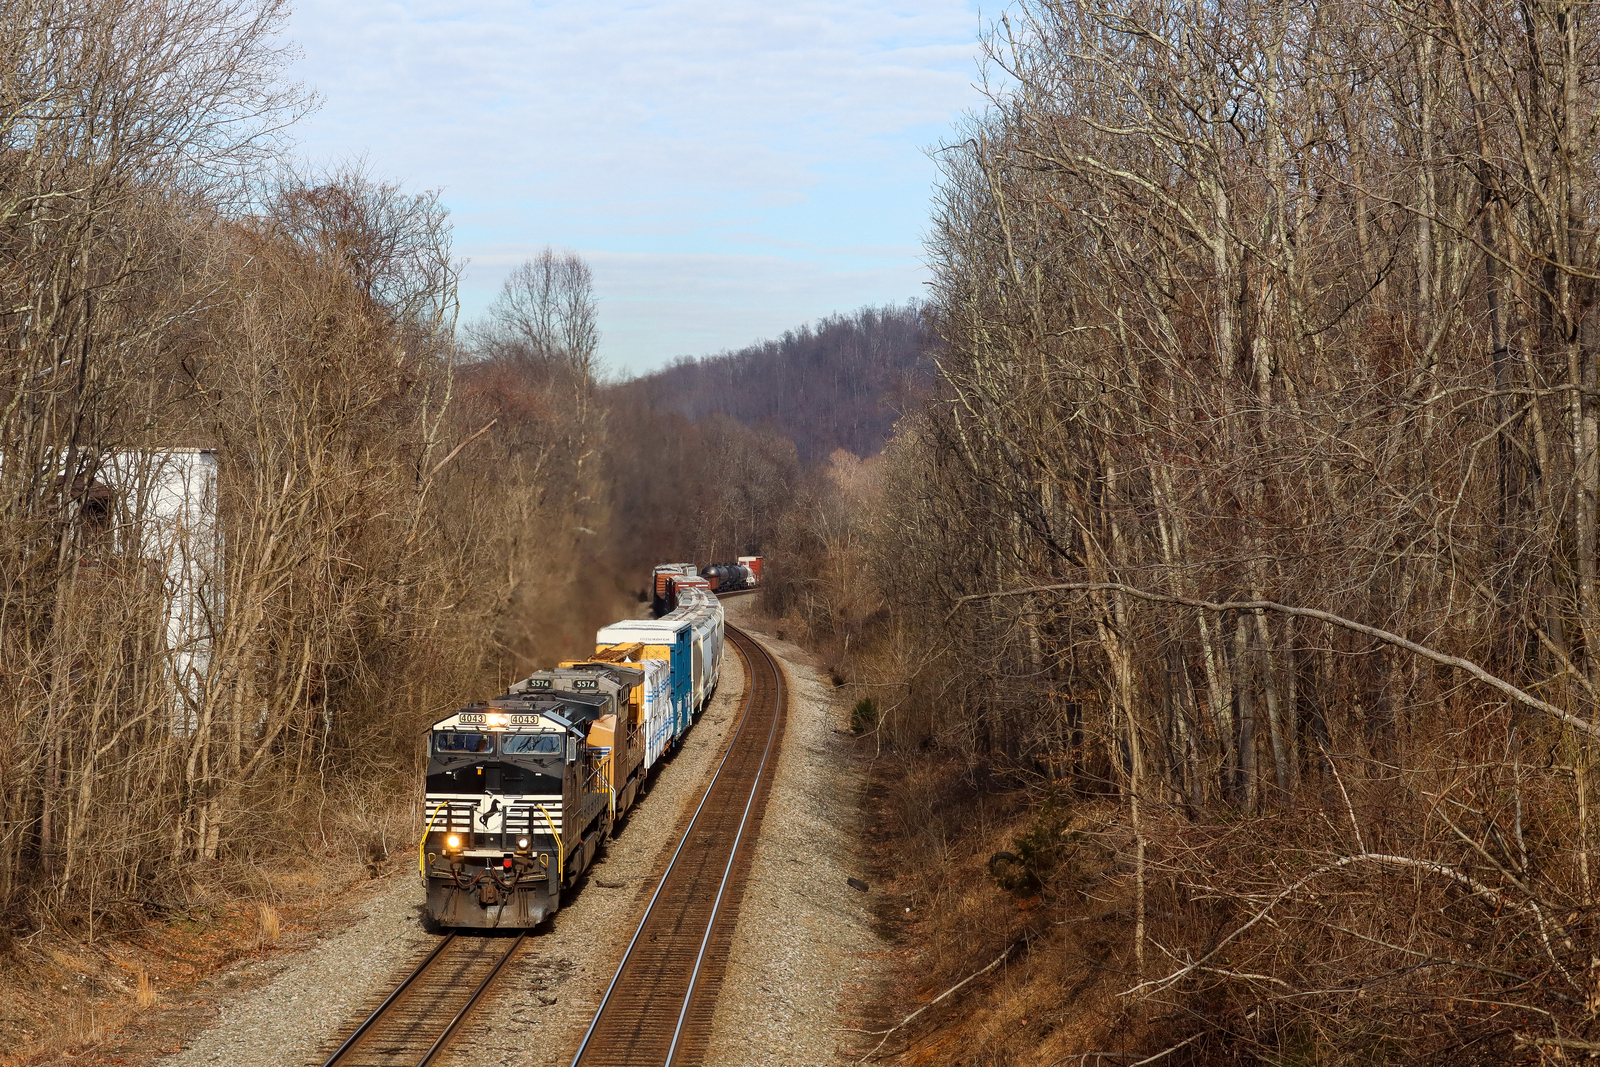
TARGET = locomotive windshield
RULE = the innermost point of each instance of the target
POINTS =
(453, 741)
(527, 744)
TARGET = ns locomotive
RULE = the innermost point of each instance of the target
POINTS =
(522, 789)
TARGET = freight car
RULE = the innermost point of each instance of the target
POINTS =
(522, 789)
(727, 577)
(662, 580)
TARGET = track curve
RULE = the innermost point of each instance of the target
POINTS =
(657, 1010)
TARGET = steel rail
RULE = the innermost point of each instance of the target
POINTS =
(394, 995)
(733, 853)
(744, 718)
(439, 1043)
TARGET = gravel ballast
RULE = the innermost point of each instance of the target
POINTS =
(804, 935)
(539, 1012)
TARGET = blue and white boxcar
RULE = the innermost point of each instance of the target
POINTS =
(668, 640)
(704, 614)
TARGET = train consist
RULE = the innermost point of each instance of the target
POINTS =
(745, 573)
(523, 788)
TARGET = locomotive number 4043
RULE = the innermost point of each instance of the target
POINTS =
(479, 718)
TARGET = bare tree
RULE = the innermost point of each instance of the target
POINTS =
(166, 289)
(547, 307)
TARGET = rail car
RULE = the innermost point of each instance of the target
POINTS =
(728, 577)
(523, 788)
(662, 582)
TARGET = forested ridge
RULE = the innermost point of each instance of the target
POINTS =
(264, 512)
(838, 383)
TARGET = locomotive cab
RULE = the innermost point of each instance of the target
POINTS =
(613, 740)
(622, 738)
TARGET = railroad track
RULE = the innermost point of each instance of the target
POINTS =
(416, 1021)
(657, 1010)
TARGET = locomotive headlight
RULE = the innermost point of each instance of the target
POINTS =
(523, 843)
(498, 718)
(453, 841)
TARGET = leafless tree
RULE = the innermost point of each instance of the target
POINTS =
(547, 307)
(166, 285)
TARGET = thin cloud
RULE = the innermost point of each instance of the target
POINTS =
(684, 133)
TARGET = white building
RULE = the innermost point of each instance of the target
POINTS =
(164, 508)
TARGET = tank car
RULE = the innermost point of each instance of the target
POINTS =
(727, 577)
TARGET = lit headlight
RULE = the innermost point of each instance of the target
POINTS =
(523, 843)
(498, 718)
(453, 841)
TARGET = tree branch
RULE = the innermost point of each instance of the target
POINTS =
(1493, 681)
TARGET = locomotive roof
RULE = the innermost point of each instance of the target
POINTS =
(580, 676)
(527, 714)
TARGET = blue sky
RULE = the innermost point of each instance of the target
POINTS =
(729, 170)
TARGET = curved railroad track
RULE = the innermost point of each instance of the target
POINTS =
(416, 1021)
(657, 1010)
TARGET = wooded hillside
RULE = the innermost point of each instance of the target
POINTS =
(1240, 584)
(261, 517)
(838, 383)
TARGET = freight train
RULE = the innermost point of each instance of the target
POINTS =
(522, 789)
(745, 573)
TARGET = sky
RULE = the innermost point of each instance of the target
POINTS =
(729, 170)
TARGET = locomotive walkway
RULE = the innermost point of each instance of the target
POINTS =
(658, 1008)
